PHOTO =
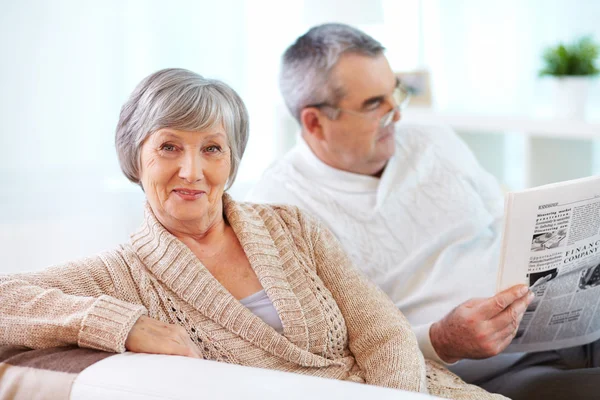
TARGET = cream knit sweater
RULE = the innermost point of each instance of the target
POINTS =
(336, 324)
(431, 223)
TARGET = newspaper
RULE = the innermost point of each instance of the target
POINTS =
(552, 243)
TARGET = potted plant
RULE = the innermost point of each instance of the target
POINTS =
(572, 66)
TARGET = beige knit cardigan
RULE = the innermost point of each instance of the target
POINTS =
(336, 324)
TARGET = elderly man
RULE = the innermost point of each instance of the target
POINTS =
(410, 204)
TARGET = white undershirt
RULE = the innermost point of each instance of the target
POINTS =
(261, 306)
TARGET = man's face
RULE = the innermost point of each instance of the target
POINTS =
(356, 143)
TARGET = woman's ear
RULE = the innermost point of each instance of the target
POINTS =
(311, 119)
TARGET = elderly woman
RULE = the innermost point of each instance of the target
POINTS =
(207, 277)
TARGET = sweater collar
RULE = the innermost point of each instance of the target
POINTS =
(176, 266)
(343, 181)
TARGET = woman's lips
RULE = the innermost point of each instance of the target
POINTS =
(189, 194)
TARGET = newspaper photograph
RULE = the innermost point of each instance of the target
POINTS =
(552, 243)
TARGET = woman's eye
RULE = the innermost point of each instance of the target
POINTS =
(167, 147)
(213, 149)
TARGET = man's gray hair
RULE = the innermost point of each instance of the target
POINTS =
(307, 64)
(183, 100)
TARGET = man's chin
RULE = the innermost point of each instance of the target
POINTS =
(385, 146)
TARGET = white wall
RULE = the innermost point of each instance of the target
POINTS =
(68, 65)
(485, 55)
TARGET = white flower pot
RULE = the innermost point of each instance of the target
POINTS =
(570, 97)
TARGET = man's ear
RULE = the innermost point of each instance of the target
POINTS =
(311, 118)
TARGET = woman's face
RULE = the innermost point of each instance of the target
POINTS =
(184, 174)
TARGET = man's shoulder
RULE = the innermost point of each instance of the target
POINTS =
(278, 183)
(272, 189)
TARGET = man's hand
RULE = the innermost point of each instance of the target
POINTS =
(480, 328)
(151, 336)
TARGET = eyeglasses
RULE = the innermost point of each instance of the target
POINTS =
(400, 95)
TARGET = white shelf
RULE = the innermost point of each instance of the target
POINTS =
(526, 154)
(559, 128)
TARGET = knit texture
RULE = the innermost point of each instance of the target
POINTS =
(431, 223)
(336, 324)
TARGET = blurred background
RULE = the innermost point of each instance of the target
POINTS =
(67, 66)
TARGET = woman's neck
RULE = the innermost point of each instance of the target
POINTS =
(208, 231)
(207, 234)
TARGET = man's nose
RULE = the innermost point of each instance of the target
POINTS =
(397, 115)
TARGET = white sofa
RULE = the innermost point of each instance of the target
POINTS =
(134, 376)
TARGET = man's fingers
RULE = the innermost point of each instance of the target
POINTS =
(500, 340)
(504, 344)
(513, 314)
(491, 307)
(506, 333)
(481, 328)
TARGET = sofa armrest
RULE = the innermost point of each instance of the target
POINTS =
(135, 376)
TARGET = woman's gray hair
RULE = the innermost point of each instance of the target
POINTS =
(183, 100)
(306, 65)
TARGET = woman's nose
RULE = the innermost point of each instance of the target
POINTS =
(191, 169)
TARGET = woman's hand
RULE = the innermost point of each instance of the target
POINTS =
(152, 336)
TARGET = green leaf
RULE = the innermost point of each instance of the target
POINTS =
(575, 59)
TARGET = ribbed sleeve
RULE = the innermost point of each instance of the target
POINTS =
(70, 304)
(107, 324)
